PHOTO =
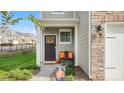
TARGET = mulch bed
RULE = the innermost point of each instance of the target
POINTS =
(80, 75)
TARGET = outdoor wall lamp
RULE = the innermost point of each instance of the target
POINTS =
(99, 30)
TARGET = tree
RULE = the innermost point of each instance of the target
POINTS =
(36, 21)
(8, 19)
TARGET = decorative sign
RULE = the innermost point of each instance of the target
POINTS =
(50, 39)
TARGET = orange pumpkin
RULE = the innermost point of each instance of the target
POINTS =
(62, 55)
(70, 54)
(60, 74)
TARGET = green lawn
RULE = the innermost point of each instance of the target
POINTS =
(17, 60)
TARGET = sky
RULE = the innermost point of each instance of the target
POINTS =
(25, 25)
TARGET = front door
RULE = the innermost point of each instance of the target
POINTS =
(50, 47)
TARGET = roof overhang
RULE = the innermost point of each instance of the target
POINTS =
(60, 22)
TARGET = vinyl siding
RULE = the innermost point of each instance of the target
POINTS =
(83, 44)
(60, 47)
(77, 14)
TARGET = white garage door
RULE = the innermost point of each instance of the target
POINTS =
(114, 52)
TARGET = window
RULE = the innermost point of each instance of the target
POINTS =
(65, 36)
(58, 12)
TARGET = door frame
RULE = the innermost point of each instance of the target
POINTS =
(105, 34)
(44, 48)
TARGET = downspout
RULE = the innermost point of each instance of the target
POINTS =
(90, 65)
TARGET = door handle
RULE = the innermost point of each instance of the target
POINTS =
(110, 68)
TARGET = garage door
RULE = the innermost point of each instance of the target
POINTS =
(114, 52)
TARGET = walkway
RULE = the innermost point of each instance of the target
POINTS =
(45, 73)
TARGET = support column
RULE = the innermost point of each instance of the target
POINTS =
(38, 46)
(76, 45)
(41, 45)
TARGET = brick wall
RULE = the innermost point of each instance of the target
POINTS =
(97, 51)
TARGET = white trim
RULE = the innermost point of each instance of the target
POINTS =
(90, 45)
(44, 48)
(58, 12)
(76, 45)
(60, 23)
(105, 27)
(60, 20)
(65, 30)
(39, 49)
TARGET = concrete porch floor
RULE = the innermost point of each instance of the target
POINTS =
(46, 73)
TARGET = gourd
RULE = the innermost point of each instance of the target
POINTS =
(62, 55)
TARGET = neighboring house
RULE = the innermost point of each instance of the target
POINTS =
(96, 38)
(14, 37)
(8, 36)
(26, 38)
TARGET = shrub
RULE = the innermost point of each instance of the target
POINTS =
(20, 74)
(68, 71)
(3, 75)
(30, 67)
(69, 63)
(69, 78)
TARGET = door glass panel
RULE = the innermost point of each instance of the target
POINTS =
(50, 39)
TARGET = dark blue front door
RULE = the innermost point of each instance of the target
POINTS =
(50, 47)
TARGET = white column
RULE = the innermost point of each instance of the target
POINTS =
(76, 46)
(41, 46)
(38, 46)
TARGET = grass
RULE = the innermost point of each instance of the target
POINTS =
(16, 61)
